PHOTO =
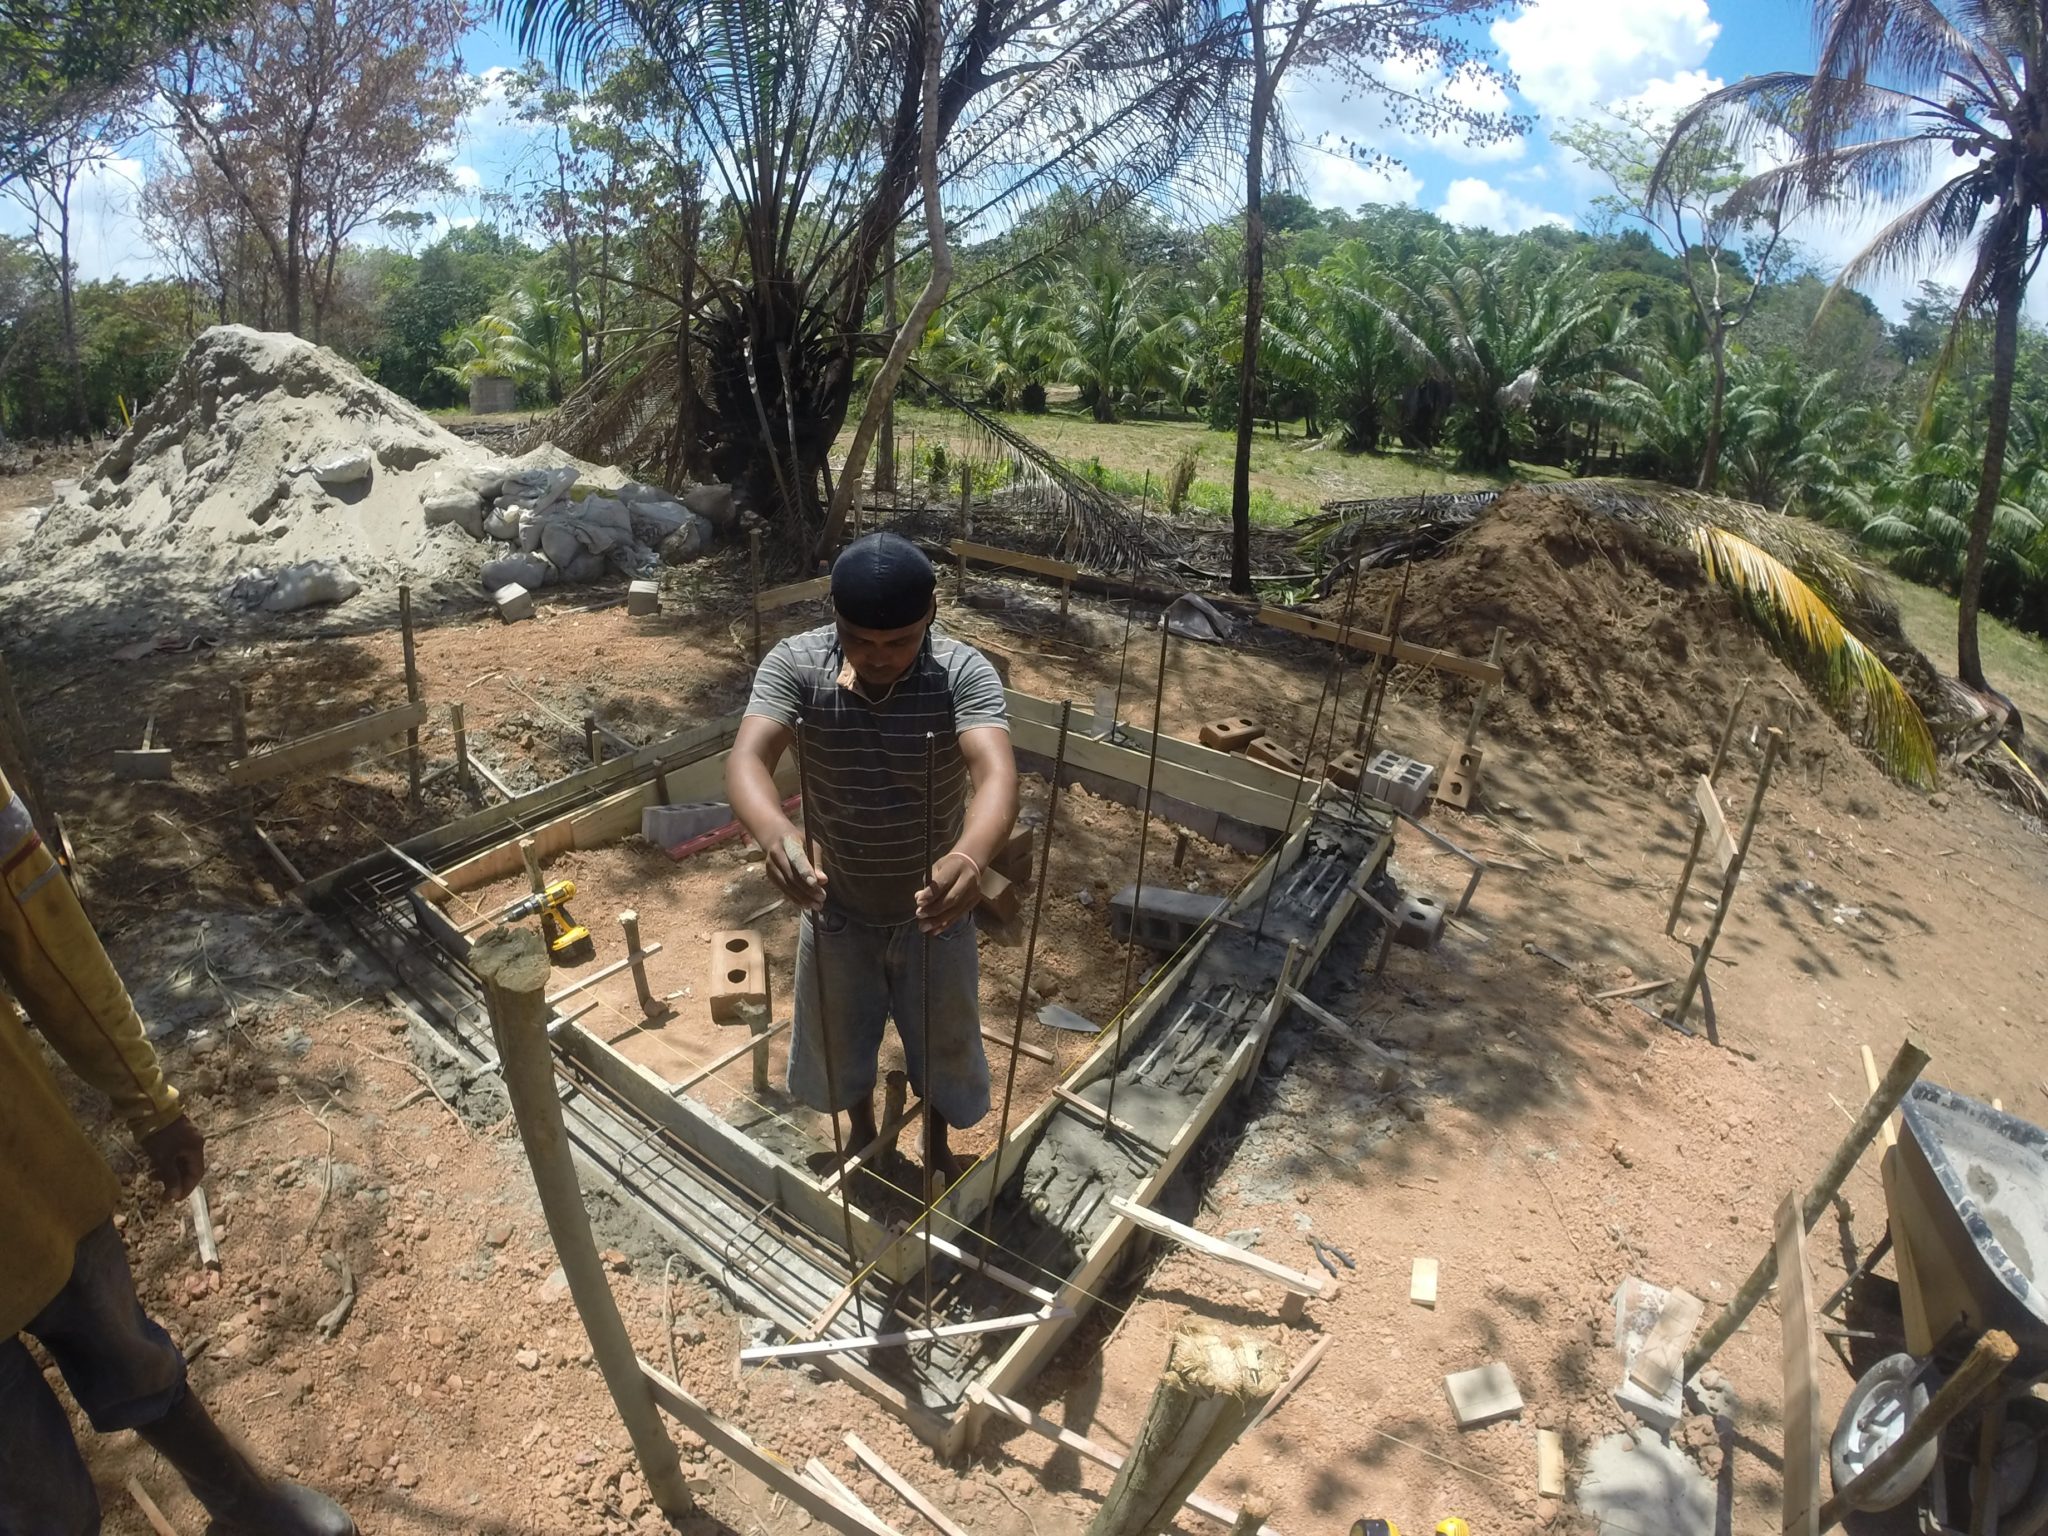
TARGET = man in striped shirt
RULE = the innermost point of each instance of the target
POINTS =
(868, 696)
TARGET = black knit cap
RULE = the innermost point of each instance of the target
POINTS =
(882, 581)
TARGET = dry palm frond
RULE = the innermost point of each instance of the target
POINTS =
(1807, 630)
(2008, 773)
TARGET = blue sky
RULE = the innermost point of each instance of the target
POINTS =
(1569, 59)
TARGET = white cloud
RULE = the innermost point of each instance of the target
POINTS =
(1332, 179)
(106, 231)
(467, 177)
(1468, 201)
(1326, 111)
(1571, 57)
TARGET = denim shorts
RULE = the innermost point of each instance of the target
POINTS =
(855, 977)
(122, 1370)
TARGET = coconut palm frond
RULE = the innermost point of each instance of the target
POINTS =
(1808, 631)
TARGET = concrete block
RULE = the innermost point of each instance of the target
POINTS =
(1166, 918)
(1013, 860)
(514, 602)
(1000, 896)
(1268, 751)
(671, 826)
(1421, 922)
(1345, 768)
(643, 598)
(145, 763)
(739, 975)
(1652, 1327)
(1233, 733)
(1399, 781)
(1483, 1395)
(1461, 778)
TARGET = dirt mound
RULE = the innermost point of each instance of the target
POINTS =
(1620, 658)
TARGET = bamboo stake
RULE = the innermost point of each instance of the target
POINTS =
(512, 963)
(1138, 891)
(1212, 1388)
(1905, 1068)
(465, 775)
(413, 763)
(1772, 742)
(1987, 1362)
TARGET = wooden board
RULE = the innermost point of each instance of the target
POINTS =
(1659, 1365)
(905, 1489)
(1802, 1381)
(740, 1448)
(1483, 1394)
(324, 746)
(794, 592)
(1422, 1283)
(1549, 1464)
(990, 554)
(1719, 842)
(1380, 645)
(1214, 791)
(1233, 767)
(1217, 1248)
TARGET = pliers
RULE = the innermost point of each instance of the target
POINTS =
(1325, 1251)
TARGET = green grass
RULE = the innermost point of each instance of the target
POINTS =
(2015, 663)
(1292, 476)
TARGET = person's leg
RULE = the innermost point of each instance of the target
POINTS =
(956, 1082)
(125, 1373)
(44, 1487)
(839, 984)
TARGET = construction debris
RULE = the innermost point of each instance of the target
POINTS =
(1483, 1394)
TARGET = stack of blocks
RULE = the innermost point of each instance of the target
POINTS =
(1399, 781)
(1233, 733)
(739, 975)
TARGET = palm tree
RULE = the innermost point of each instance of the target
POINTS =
(1898, 84)
(1353, 352)
(1790, 438)
(545, 315)
(1115, 333)
(489, 347)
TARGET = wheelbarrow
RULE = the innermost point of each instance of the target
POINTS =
(1966, 1196)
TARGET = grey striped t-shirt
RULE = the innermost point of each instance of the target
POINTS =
(865, 760)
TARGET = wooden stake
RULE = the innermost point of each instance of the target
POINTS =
(1549, 1464)
(413, 764)
(1988, 1360)
(650, 1005)
(150, 1512)
(238, 730)
(1905, 1068)
(1888, 1133)
(1493, 656)
(1699, 826)
(966, 529)
(202, 1228)
(905, 1490)
(464, 774)
(1251, 1516)
(1212, 1388)
(754, 571)
(1772, 742)
(512, 963)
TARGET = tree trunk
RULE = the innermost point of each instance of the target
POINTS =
(1254, 312)
(885, 445)
(2005, 336)
(67, 300)
(1710, 460)
(883, 389)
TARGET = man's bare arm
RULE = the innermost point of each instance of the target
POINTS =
(955, 883)
(757, 803)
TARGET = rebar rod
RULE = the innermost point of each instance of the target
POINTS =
(1052, 811)
(924, 1030)
(1138, 891)
(1386, 669)
(803, 789)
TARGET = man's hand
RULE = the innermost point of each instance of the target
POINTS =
(954, 888)
(793, 874)
(177, 1155)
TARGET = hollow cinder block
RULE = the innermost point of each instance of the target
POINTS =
(1344, 769)
(1165, 916)
(739, 975)
(1420, 922)
(1399, 781)
(1233, 733)
(1460, 779)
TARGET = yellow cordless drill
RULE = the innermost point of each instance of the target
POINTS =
(569, 942)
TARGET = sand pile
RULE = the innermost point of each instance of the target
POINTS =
(270, 473)
(1621, 659)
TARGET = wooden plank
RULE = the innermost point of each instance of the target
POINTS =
(793, 592)
(1260, 808)
(828, 1480)
(990, 554)
(1035, 1052)
(754, 1354)
(321, 746)
(1802, 1380)
(1920, 1335)
(1232, 767)
(1888, 1132)
(606, 972)
(1720, 841)
(1549, 1464)
(1483, 1394)
(905, 1490)
(1659, 1366)
(1216, 1248)
(1081, 1445)
(1380, 645)
(726, 1058)
(1295, 1378)
(740, 1448)
(1422, 1278)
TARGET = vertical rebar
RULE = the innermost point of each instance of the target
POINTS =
(1052, 812)
(1385, 677)
(803, 789)
(934, 1182)
(1138, 891)
(412, 695)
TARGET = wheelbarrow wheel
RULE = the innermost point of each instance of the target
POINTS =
(1884, 1403)
(2021, 1471)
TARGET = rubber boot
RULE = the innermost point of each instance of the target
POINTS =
(241, 1500)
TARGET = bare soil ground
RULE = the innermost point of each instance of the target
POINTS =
(1558, 1141)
